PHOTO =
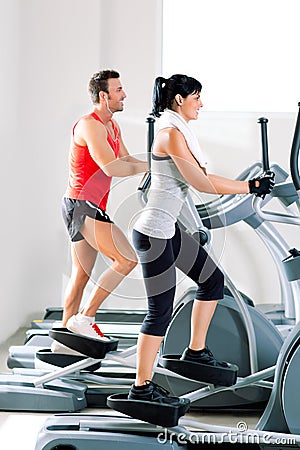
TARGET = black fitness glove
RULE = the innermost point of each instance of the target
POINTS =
(265, 184)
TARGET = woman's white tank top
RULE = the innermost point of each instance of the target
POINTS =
(166, 198)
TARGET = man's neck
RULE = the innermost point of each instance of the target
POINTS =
(104, 114)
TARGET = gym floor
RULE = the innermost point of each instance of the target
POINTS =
(19, 430)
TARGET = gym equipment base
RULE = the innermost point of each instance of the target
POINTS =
(102, 315)
(153, 412)
(218, 376)
(92, 432)
(99, 385)
(21, 394)
(51, 392)
(62, 359)
(94, 348)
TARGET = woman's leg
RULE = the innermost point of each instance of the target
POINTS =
(202, 313)
(147, 349)
(157, 260)
(194, 261)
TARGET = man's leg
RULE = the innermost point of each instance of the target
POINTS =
(109, 240)
(83, 260)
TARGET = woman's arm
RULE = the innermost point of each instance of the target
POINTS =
(228, 186)
(170, 141)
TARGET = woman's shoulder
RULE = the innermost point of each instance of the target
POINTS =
(170, 137)
(169, 133)
(167, 141)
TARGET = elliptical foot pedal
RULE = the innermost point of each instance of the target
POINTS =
(63, 360)
(219, 376)
(94, 348)
(153, 412)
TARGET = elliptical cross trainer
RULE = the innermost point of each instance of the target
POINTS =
(279, 422)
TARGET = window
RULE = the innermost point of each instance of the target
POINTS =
(245, 53)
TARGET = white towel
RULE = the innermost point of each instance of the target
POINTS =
(171, 119)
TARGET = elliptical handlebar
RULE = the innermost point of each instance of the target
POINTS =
(294, 159)
(257, 201)
(264, 141)
(150, 137)
(146, 180)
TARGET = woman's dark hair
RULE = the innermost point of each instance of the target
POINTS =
(99, 82)
(165, 89)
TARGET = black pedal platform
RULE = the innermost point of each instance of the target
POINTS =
(219, 376)
(63, 360)
(94, 348)
(153, 412)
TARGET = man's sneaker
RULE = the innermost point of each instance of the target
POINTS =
(57, 347)
(85, 328)
(152, 392)
(204, 356)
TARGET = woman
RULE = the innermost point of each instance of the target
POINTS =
(162, 246)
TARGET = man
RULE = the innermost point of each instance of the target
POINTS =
(97, 154)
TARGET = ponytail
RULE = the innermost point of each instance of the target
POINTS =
(158, 98)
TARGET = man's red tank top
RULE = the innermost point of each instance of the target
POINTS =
(87, 181)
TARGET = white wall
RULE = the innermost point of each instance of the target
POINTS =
(51, 48)
(59, 49)
(243, 62)
(10, 169)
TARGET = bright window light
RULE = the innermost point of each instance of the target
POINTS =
(245, 53)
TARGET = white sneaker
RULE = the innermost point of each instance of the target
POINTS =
(57, 347)
(85, 328)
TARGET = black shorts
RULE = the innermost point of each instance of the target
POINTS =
(75, 211)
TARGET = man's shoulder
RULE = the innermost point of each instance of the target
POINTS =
(86, 127)
(86, 118)
(88, 121)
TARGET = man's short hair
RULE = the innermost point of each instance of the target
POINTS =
(99, 82)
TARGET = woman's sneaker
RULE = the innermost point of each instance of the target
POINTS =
(152, 392)
(204, 356)
(85, 328)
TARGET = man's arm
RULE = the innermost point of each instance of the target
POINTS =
(124, 153)
(95, 136)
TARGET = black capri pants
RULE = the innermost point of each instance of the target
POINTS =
(159, 259)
